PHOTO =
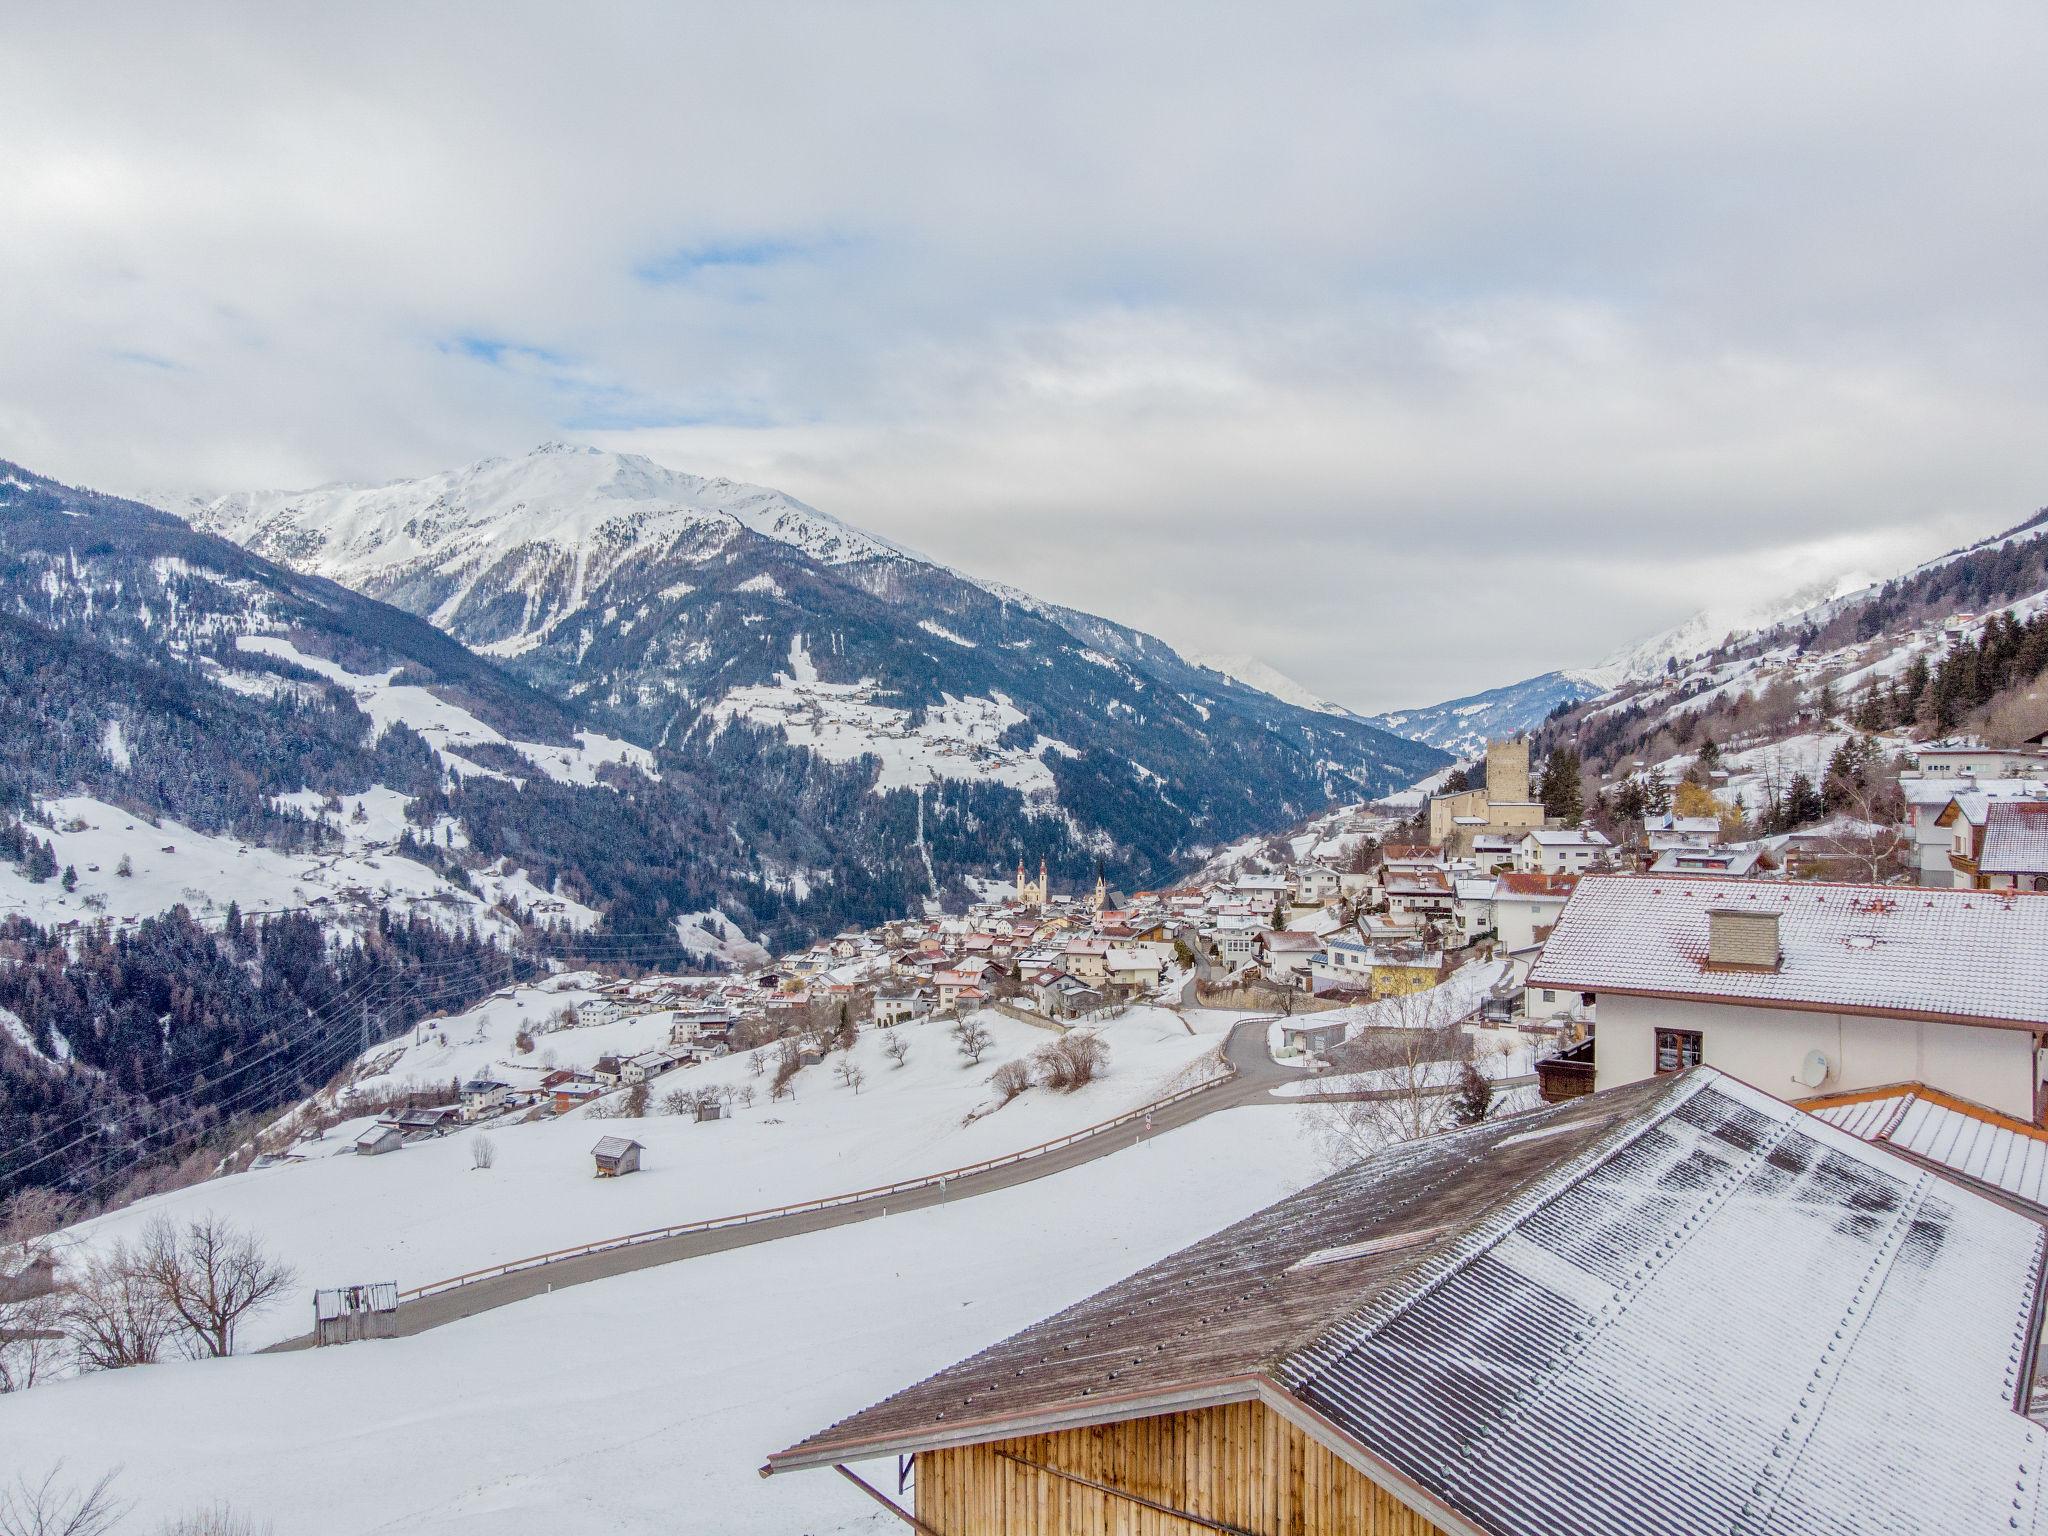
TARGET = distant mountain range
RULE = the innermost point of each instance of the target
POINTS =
(674, 610)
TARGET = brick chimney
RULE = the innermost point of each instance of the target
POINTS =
(1742, 941)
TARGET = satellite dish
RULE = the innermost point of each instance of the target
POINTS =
(1814, 1070)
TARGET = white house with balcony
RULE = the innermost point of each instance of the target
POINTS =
(1803, 989)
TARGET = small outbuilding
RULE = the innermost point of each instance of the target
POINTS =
(379, 1139)
(616, 1155)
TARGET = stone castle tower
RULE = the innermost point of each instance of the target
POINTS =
(1507, 771)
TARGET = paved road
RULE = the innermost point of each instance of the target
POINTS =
(1244, 1048)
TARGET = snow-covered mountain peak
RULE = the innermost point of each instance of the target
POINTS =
(1715, 625)
(1267, 678)
(560, 495)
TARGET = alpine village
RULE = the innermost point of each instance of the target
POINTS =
(566, 990)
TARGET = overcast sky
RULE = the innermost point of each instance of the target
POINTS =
(1411, 348)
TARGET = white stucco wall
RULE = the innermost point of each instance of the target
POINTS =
(1765, 1046)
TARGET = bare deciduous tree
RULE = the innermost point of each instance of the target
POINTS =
(896, 1046)
(483, 1152)
(1010, 1079)
(49, 1506)
(221, 1519)
(31, 1290)
(1070, 1062)
(211, 1275)
(1399, 1078)
(113, 1316)
(974, 1039)
(849, 1073)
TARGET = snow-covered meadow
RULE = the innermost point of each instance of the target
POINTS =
(170, 864)
(425, 1213)
(646, 1402)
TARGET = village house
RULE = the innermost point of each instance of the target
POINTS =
(1286, 954)
(1472, 918)
(1131, 970)
(564, 1097)
(1971, 759)
(646, 1066)
(417, 1124)
(1315, 885)
(1934, 841)
(1418, 896)
(483, 1096)
(1730, 863)
(1642, 1313)
(1804, 988)
(1999, 845)
(1234, 948)
(1560, 850)
(893, 1008)
(1402, 969)
(1670, 830)
(1525, 907)
(1087, 960)
(1344, 965)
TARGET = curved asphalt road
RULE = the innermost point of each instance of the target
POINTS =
(1244, 1048)
(1255, 1075)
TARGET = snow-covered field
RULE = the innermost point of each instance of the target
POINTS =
(644, 1403)
(842, 721)
(447, 727)
(172, 864)
(424, 1213)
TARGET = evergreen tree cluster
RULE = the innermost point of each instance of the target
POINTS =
(142, 1042)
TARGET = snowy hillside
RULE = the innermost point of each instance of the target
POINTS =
(665, 607)
(425, 1213)
(644, 1403)
(1463, 726)
(1724, 623)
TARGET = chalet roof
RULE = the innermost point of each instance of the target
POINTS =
(2015, 838)
(613, 1146)
(1956, 956)
(1959, 1137)
(1675, 1307)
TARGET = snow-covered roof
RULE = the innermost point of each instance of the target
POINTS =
(1566, 837)
(1953, 1134)
(1533, 885)
(1672, 1308)
(1904, 952)
(1732, 862)
(1671, 822)
(2015, 838)
(613, 1146)
(1475, 889)
(1291, 941)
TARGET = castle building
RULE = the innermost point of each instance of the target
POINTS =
(1504, 806)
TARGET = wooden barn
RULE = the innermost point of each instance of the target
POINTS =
(616, 1155)
(1676, 1308)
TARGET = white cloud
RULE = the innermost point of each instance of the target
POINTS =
(1275, 331)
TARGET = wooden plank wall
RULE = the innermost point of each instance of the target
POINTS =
(1240, 1465)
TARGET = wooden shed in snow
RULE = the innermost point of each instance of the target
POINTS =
(616, 1155)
